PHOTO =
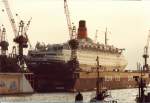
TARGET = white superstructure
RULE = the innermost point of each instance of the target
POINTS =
(110, 58)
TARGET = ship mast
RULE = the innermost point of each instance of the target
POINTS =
(97, 82)
(141, 88)
(106, 32)
(96, 36)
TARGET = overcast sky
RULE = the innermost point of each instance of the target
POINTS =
(127, 21)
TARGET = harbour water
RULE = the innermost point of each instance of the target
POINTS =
(122, 96)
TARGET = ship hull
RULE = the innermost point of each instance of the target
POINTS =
(43, 85)
(84, 81)
(56, 69)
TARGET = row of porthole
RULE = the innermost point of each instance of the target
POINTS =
(116, 78)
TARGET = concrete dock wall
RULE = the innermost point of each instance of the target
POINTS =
(11, 83)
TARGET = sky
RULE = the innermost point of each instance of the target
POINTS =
(128, 22)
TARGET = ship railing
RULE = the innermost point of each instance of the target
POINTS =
(101, 48)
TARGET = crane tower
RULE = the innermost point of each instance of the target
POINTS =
(21, 37)
(3, 42)
(145, 55)
(73, 43)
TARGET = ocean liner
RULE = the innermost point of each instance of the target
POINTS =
(110, 58)
(55, 70)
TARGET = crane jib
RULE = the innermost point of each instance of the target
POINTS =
(10, 16)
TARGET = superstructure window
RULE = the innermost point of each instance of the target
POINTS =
(37, 55)
(108, 78)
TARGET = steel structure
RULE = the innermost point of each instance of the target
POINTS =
(10, 16)
(68, 18)
(25, 32)
(3, 42)
(145, 55)
(21, 37)
(72, 32)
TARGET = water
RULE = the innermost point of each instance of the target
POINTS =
(122, 96)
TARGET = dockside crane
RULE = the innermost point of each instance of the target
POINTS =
(20, 36)
(3, 42)
(72, 32)
(145, 55)
(73, 43)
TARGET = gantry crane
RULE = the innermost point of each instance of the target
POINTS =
(73, 43)
(20, 36)
(3, 42)
(72, 32)
(145, 55)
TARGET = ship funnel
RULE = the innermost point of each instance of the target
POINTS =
(82, 31)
